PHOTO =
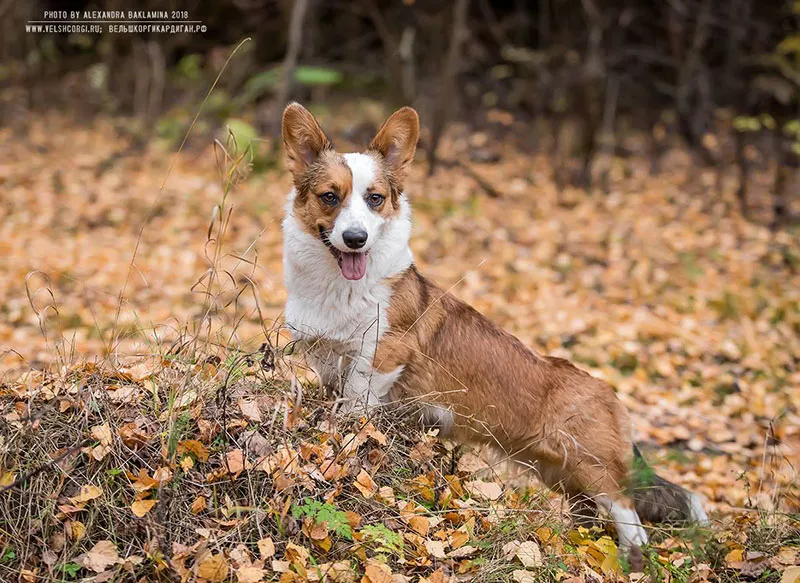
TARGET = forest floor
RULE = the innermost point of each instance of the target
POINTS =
(152, 420)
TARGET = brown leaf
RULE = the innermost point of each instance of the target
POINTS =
(250, 574)
(791, 575)
(266, 548)
(100, 557)
(377, 573)
(250, 410)
(234, 462)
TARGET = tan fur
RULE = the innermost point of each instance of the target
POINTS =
(541, 411)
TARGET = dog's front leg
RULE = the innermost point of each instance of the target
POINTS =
(365, 387)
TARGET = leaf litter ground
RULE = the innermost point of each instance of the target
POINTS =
(175, 436)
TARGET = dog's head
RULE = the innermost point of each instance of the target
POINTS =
(346, 200)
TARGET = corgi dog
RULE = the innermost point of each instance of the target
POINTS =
(381, 333)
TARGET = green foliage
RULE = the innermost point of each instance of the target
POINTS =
(386, 541)
(189, 68)
(266, 81)
(70, 570)
(8, 556)
(242, 134)
(317, 76)
(324, 513)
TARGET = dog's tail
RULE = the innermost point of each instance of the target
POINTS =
(659, 500)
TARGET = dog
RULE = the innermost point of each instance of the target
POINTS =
(382, 333)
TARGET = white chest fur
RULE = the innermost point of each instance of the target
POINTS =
(342, 320)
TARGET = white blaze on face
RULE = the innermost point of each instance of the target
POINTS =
(356, 213)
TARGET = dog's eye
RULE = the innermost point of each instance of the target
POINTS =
(329, 198)
(375, 200)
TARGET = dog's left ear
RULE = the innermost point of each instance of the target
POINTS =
(397, 140)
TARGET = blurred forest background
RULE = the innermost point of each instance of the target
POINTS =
(583, 76)
(616, 182)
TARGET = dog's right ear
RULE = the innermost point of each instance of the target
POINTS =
(303, 138)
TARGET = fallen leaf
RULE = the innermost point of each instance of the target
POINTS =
(521, 576)
(142, 507)
(87, 493)
(250, 410)
(266, 548)
(462, 552)
(375, 573)
(435, 548)
(250, 574)
(213, 567)
(194, 447)
(234, 462)
(486, 490)
(791, 575)
(419, 524)
(76, 530)
(365, 484)
(198, 505)
(529, 554)
(102, 433)
(100, 557)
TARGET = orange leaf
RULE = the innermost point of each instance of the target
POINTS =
(142, 507)
(213, 567)
(198, 505)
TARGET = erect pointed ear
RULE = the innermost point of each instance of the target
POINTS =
(397, 139)
(303, 138)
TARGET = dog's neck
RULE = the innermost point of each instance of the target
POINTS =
(310, 269)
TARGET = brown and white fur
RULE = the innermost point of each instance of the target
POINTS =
(382, 333)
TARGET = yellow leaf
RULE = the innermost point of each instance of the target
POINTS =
(296, 554)
(86, 493)
(213, 567)
(7, 478)
(734, 556)
(77, 530)
(142, 507)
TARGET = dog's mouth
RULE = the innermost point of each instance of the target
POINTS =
(353, 265)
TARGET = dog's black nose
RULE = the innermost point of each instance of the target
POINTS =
(355, 238)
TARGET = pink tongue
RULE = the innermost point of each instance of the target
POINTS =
(354, 265)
